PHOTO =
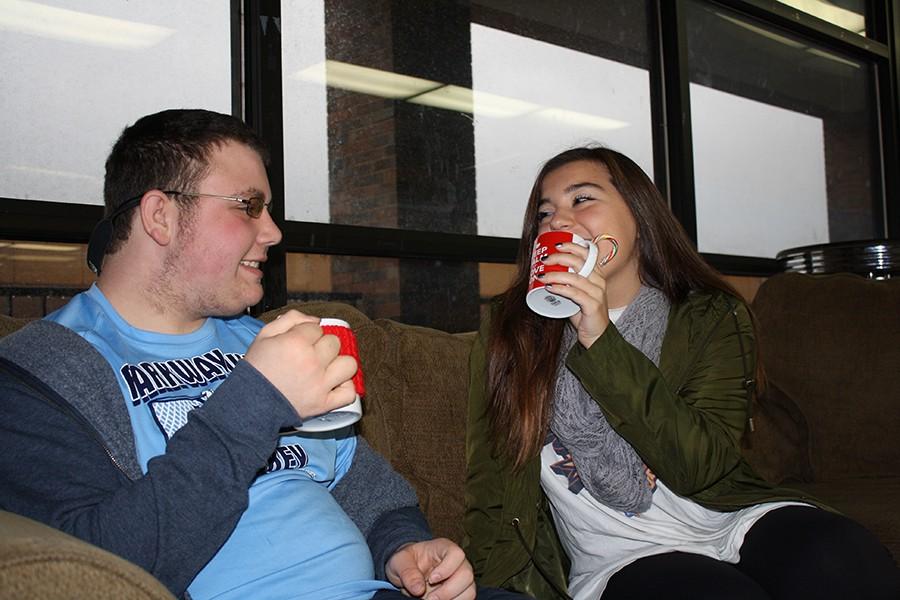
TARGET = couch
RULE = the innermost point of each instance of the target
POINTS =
(827, 421)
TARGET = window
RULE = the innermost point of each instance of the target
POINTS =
(77, 72)
(406, 135)
(449, 295)
(386, 126)
(436, 117)
(785, 138)
(39, 277)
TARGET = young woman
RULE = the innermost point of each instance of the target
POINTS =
(604, 449)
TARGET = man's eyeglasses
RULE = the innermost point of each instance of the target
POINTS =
(253, 205)
(103, 230)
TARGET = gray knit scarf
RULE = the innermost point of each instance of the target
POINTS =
(607, 465)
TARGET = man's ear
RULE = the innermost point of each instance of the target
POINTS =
(158, 214)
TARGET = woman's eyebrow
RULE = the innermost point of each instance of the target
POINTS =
(584, 184)
(572, 188)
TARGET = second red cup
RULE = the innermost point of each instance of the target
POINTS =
(346, 415)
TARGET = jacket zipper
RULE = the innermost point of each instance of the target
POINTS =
(92, 431)
(50, 396)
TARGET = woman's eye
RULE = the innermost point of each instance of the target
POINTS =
(542, 215)
(580, 199)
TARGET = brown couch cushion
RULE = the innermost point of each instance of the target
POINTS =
(831, 344)
(10, 324)
(414, 412)
(37, 561)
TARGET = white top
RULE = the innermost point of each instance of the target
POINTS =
(615, 313)
(600, 540)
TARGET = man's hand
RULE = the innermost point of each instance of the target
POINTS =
(303, 364)
(434, 570)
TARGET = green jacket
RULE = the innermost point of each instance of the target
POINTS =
(685, 419)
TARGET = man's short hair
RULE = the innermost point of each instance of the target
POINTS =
(168, 150)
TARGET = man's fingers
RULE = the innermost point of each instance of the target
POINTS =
(459, 585)
(341, 396)
(327, 347)
(453, 590)
(340, 372)
(285, 322)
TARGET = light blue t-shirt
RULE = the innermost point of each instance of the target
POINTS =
(294, 540)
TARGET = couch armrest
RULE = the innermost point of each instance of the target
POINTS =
(37, 561)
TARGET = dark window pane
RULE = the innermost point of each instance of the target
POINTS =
(785, 138)
(448, 295)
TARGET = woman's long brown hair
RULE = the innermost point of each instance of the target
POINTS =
(523, 347)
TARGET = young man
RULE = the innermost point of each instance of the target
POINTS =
(188, 476)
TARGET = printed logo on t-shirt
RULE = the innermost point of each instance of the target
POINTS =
(172, 413)
(147, 380)
(291, 456)
(566, 465)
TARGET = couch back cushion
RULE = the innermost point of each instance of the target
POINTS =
(831, 345)
(10, 324)
(414, 412)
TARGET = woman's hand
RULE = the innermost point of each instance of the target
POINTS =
(587, 292)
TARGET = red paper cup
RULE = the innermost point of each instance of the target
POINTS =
(539, 298)
(346, 415)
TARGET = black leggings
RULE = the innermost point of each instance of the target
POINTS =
(791, 553)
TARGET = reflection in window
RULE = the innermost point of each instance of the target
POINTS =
(849, 14)
(76, 72)
(784, 138)
(446, 295)
(558, 98)
(36, 278)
